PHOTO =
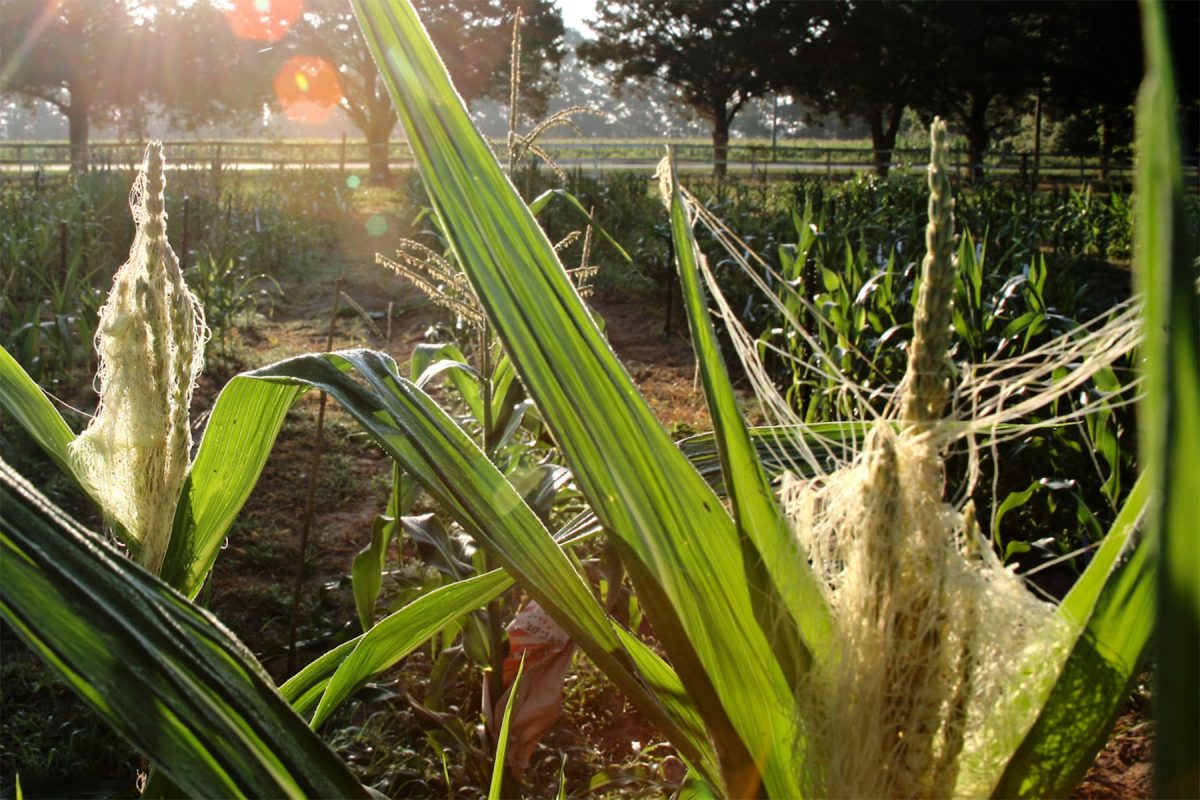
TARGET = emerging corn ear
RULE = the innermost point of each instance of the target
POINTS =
(933, 634)
(150, 341)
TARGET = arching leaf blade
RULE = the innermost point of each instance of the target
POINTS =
(164, 673)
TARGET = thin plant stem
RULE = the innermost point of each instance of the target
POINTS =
(314, 473)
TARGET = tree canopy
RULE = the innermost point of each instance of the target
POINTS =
(984, 66)
(981, 65)
(473, 37)
(103, 63)
(75, 56)
(709, 51)
(864, 60)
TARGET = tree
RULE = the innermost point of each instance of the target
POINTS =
(100, 63)
(1098, 64)
(710, 51)
(473, 37)
(988, 57)
(75, 56)
(202, 71)
(866, 60)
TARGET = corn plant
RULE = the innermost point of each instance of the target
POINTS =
(857, 308)
(229, 293)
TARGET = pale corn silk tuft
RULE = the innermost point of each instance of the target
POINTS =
(940, 656)
(932, 633)
(150, 339)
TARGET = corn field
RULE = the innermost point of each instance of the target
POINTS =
(831, 613)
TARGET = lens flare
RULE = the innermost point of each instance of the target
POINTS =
(263, 20)
(376, 225)
(308, 89)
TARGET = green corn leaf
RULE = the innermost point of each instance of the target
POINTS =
(164, 673)
(439, 455)
(241, 431)
(429, 361)
(24, 399)
(639, 484)
(366, 571)
(502, 741)
(304, 689)
(1112, 604)
(1012, 501)
(537, 204)
(799, 618)
(400, 633)
(1169, 415)
(507, 395)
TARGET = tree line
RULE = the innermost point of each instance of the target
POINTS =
(982, 65)
(198, 62)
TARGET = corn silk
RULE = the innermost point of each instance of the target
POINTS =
(134, 454)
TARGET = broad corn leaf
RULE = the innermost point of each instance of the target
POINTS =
(502, 741)
(164, 673)
(440, 456)
(793, 608)
(1169, 417)
(400, 633)
(241, 431)
(1112, 607)
(639, 484)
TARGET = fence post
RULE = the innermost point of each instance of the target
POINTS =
(83, 234)
(828, 164)
(183, 241)
(342, 156)
(62, 247)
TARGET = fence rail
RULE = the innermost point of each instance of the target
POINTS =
(760, 161)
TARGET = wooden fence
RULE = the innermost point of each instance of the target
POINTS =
(757, 161)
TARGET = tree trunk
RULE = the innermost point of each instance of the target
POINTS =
(377, 154)
(77, 124)
(1037, 139)
(1106, 141)
(720, 140)
(883, 139)
(977, 140)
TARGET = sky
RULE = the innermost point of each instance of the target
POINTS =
(575, 12)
